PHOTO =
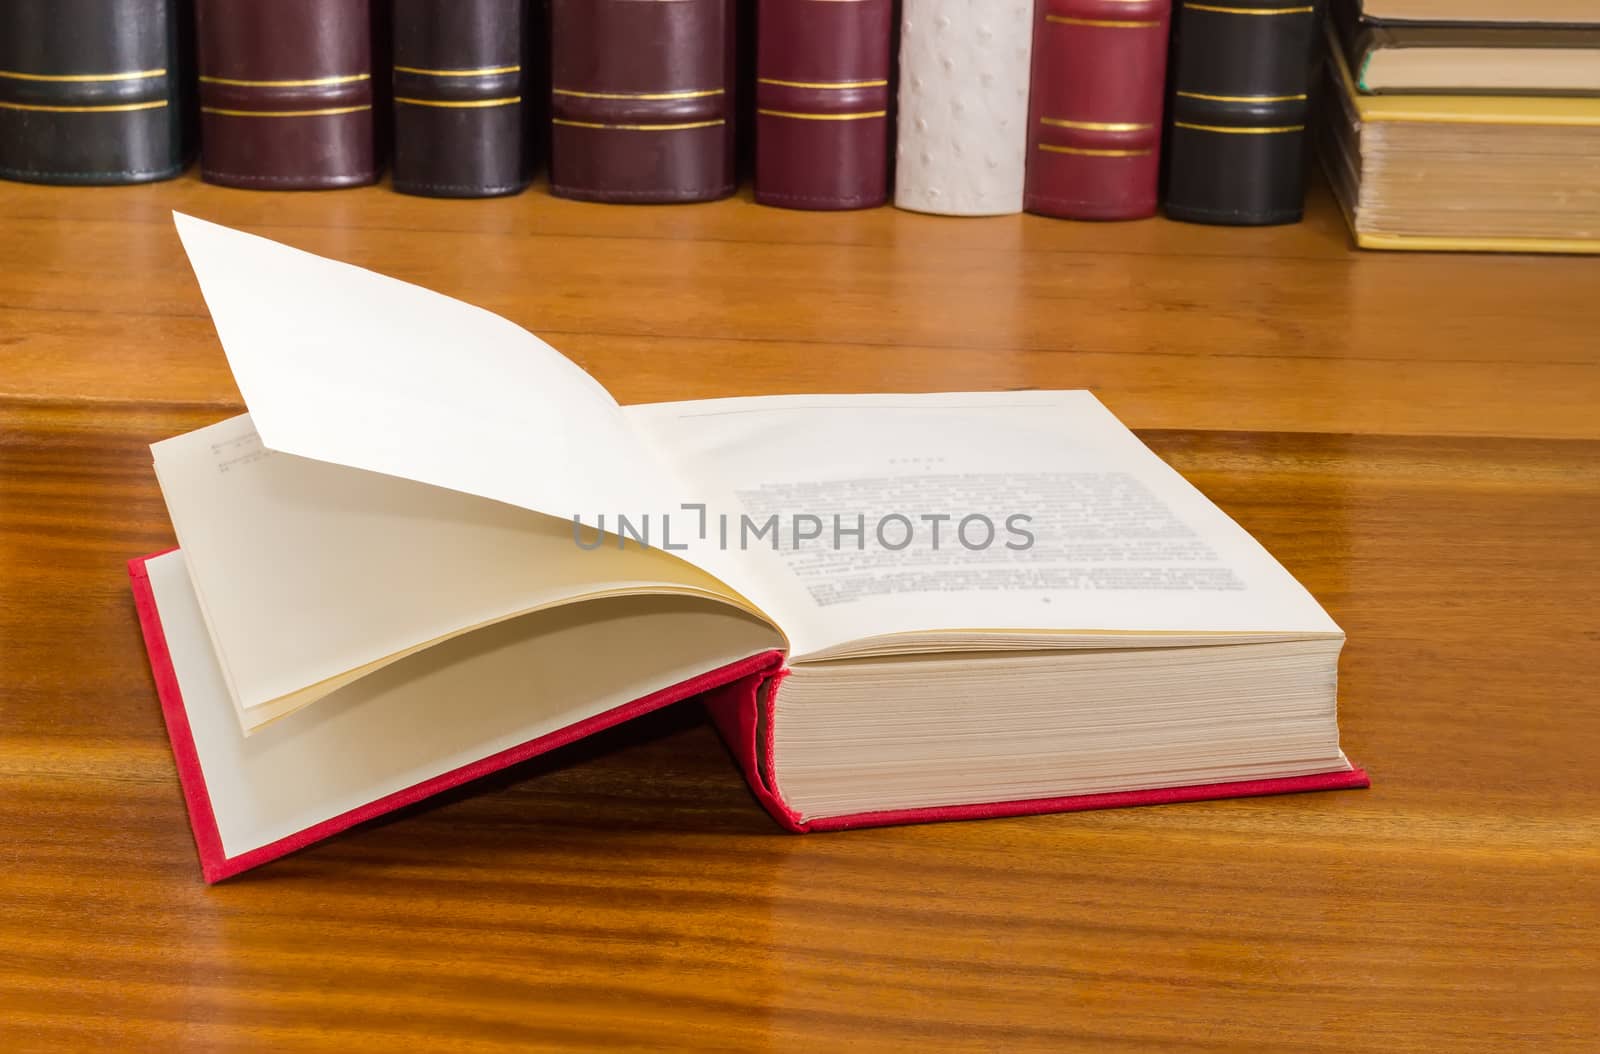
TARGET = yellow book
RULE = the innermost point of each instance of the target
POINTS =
(1465, 173)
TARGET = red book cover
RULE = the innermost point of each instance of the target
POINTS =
(1094, 114)
(822, 103)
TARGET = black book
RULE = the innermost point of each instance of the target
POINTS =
(1236, 126)
(91, 90)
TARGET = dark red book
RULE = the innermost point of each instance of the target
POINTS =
(642, 100)
(822, 103)
(1094, 115)
(286, 94)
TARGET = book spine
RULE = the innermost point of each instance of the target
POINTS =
(822, 103)
(1242, 71)
(1094, 113)
(286, 94)
(963, 123)
(460, 84)
(90, 90)
(642, 100)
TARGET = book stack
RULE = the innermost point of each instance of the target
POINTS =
(956, 107)
(1474, 126)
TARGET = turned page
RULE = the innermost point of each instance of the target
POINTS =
(312, 574)
(979, 516)
(345, 365)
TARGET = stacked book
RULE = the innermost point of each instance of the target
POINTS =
(956, 107)
(1465, 125)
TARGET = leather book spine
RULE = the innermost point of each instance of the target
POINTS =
(822, 103)
(642, 100)
(286, 94)
(91, 90)
(1094, 112)
(1236, 128)
(460, 84)
(963, 121)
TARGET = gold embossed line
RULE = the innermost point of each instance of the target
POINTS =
(1240, 98)
(694, 94)
(481, 71)
(332, 111)
(312, 82)
(1095, 126)
(127, 107)
(862, 116)
(822, 85)
(459, 104)
(1239, 131)
(1216, 9)
(1101, 23)
(82, 78)
(1082, 151)
(637, 127)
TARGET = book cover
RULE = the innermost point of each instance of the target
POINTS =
(823, 124)
(1241, 81)
(462, 74)
(1094, 111)
(287, 94)
(962, 132)
(91, 91)
(642, 100)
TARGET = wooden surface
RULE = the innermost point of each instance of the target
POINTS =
(1416, 437)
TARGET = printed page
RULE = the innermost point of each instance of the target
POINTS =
(312, 574)
(344, 365)
(1008, 514)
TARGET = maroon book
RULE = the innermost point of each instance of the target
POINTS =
(1094, 116)
(286, 93)
(822, 103)
(641, 100)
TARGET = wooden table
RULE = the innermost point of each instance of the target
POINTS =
(1416, 437)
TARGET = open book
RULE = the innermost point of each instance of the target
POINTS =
(435, 547)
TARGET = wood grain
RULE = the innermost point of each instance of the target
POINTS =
(1415, 437)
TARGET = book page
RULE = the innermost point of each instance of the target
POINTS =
(438, 710)
(345, 365)
(973, 514)
(312, 574)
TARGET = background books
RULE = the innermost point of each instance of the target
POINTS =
(1061, 107)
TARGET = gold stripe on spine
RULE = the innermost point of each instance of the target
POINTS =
(1102, 23)
(637, 127)
(314, 82)
(863, 115)
(120, 108)
(1239, 131)
(330, 112)
(1095, 126)
(481, 71)
(81, 78)
(700, 94)
(1088, 152)
(1240, 98)
(1249, 10)
(826, 85)
(469, 104)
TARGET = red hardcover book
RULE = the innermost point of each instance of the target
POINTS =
(394, 578)
(642, 100)
(1094, 113)
(286, 94)
(822, 103)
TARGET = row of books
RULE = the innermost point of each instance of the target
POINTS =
(1465, 124)
(961, 107)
